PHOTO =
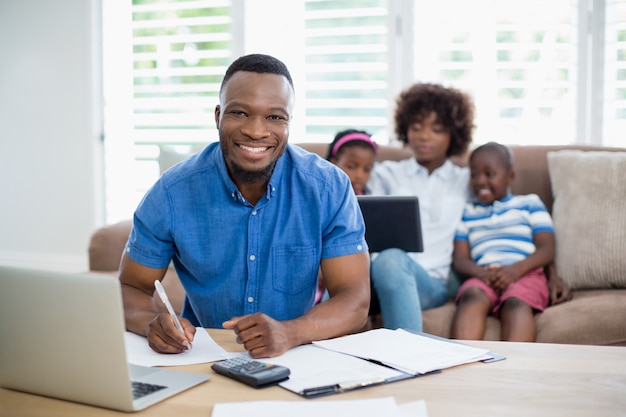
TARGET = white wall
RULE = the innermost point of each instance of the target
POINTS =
(50, 106)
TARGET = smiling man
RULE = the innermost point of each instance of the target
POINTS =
(247, 223)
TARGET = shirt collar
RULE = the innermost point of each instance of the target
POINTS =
(503, 200)
(234, 191)
(445, 171)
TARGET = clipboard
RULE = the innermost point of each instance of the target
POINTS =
(327, 367)
(342, 387)
(413, 353)
(318, 372)
(495, 357)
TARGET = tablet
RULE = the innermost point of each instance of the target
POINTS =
(392, 222)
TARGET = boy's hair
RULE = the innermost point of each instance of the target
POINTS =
(503, 152)
(259, 63)
(454, 110)
(350, 137)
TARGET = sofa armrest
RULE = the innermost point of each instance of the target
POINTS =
(106, 246)
(105, 253)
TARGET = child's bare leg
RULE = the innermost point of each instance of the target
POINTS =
(471, 312)
(518, 321)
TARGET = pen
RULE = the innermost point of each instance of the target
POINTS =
(170, 309)
(341, 387)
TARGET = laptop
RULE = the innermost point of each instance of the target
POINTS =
(392, 222)
(62, 336)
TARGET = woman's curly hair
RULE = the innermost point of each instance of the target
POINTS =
(454, 110)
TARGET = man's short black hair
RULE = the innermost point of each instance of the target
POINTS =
(258, 63)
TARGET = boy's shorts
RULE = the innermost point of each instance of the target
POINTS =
(531, 288)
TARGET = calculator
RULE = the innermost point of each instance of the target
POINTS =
(255, 373)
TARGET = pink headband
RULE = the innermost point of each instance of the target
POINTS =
(353, 136)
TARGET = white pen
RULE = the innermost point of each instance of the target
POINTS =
(170, 309)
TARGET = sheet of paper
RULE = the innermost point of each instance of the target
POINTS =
(404, 350)
(374, 407)
(204, 349)
(313, 367)
(413, 409)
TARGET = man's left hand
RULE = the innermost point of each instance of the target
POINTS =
(260, 335)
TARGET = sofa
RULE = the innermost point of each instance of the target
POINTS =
(582, 186)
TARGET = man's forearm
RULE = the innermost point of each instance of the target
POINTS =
(341, 314)
(139, 309)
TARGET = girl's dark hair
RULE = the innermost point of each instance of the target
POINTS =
(365, 142)
(454, 110)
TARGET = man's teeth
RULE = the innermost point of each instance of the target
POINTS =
(251, 149)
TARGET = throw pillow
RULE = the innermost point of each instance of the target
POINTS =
(589, 215)
(171, 155)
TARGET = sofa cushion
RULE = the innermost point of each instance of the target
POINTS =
(437, 321)
(592, 317)
(589, 217)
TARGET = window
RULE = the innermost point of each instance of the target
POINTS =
(346, 67)
(516, 58)
(164, 62)
(614, 89)
(539, 72)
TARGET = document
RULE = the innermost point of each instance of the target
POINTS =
(375, 407)
(204, 349)
(368, 359)
(316, 372)
(409, 352)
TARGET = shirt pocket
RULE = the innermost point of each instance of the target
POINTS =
(294, 268)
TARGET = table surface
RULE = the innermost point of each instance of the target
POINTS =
(535, 380)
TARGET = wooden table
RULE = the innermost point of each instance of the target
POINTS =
(535, 380)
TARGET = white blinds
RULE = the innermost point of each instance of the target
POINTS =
(346, 67)
(540, 71)
(180, 53)
(517, 59)
(614, 115)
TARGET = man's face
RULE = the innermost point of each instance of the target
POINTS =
(253, 123)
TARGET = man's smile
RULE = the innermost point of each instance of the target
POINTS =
(254, 149)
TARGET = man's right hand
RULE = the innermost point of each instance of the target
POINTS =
(164, 336)
(143, 314)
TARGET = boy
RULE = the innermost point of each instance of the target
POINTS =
(503, 242)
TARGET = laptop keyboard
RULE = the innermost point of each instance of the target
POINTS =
(141, 389)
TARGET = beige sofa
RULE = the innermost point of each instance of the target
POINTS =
(589, 210)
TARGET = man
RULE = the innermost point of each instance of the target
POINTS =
(248, 223)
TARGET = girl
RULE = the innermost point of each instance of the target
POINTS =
(354, 152)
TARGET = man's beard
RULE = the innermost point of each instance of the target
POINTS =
(251, 177)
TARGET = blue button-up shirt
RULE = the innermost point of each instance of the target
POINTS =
(234, 258)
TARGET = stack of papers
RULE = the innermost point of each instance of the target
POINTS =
(409, 352)
(370, 358)
(357, 408)
(316, 371)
